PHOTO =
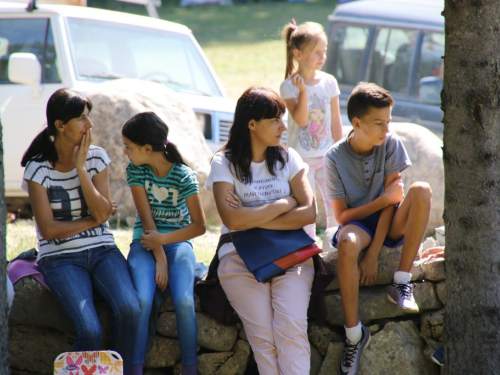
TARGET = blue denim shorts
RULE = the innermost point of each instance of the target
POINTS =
(369, 225)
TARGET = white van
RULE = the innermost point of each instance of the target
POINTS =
(58, 46)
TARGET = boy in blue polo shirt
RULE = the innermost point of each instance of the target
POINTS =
(363, 181)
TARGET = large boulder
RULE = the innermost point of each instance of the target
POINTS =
(425, 151)
(396, 349)
(115, 102)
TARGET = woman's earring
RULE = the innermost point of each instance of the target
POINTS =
(51, 137)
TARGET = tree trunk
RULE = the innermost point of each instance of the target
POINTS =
(471, 153)
(4, 308)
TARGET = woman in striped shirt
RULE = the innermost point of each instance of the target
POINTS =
(66, 178)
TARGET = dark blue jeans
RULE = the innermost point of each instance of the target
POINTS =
(181, 268)
(74, 277)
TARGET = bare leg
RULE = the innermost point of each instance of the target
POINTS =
(411, 220)
(352, 239)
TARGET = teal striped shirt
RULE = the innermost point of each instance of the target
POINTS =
(167, 195)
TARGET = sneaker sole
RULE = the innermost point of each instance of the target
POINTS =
(369, 339)
(402, 308)
(436, 361)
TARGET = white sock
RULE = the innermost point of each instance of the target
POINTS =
(401, 277)
(354, 333)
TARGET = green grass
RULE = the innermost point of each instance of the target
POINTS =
(243, 42)
(245, 24)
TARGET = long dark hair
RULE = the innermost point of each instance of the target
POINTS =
(256, 103)
(63, 105)
(147, 128)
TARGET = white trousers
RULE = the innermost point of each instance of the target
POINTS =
(274, 314)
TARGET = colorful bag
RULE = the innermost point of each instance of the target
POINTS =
(268, 253)
(89, 363)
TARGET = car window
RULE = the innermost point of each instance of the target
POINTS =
(106, 50)
(345, 53)
(432, 51)
(33, 35)
(391, 58)
(430, 67)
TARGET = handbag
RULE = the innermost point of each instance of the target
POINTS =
(268, 253)
(104, 362)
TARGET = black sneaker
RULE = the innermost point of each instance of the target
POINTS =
(349, 362)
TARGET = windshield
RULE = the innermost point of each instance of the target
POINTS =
(106, 50)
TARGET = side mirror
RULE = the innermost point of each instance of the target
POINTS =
(24, 68)
(430, 90)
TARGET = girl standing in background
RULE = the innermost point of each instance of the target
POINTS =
(312, 100)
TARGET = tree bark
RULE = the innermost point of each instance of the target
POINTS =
(471, 154)
(4, 306)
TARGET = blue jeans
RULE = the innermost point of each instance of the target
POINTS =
(181, 267)
(74, 277)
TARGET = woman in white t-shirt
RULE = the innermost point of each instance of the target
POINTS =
(258, 182)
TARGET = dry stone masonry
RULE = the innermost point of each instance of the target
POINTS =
(39, 330)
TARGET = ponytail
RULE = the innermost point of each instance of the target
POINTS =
(41, 149)
(172, 154)
(299, 37)
(287, 36)
(147, 128)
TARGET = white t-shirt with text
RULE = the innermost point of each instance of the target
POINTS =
(264, 188)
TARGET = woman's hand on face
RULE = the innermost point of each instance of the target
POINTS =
(151, 239)
(83, 149)
(233, 200)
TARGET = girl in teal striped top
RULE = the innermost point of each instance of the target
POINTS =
(169, 215)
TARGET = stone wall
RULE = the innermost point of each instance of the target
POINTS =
(39, 330)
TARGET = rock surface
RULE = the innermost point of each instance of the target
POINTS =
(396, 347)
(425, 151)
(115, 102)
(39, 330)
